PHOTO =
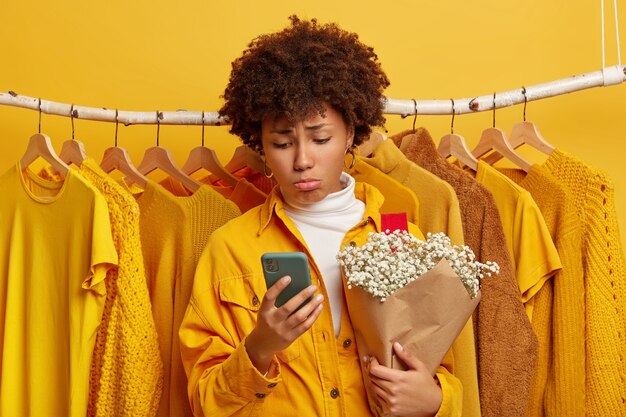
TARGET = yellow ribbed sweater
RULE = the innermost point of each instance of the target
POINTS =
(605, 283)
(126, 371)
(558, 387)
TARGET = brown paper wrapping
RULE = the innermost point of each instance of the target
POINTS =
(425, 317)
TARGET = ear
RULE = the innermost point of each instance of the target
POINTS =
(350, 138)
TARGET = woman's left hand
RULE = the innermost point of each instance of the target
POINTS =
(410, 393)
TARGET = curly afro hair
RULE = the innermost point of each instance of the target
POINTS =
(294, 71)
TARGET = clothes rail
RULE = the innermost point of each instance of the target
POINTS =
(607, 76)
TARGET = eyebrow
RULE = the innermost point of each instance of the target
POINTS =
(313, 128)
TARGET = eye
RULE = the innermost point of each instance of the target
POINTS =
(282, 145)
(321, 140)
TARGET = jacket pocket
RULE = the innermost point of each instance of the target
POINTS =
(246, 293)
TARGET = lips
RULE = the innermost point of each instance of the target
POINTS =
(307, 184)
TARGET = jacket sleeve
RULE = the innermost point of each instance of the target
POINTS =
(451, 388)
(222, 381)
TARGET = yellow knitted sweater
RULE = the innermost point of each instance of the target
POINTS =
(605, 283)
(126, 371)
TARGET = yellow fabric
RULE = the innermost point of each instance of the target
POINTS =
(439, 212)
(55, 250)
(222, 310)
(535, 258)
(244, 194)
(398, 198)
(605, 283)
(174, 231)
(438, 205)
(558, 387)
(126, 370)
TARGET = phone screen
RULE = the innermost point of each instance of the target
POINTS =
(295, 264)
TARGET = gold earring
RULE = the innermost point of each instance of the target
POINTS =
(353, 162)
(271, 174)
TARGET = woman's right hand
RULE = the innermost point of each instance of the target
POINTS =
(276, 329)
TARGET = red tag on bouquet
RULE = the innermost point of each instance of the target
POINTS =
(393, 222)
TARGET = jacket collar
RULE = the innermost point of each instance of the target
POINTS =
(368, 194)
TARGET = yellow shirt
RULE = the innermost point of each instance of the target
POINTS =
(534, 256)
(398, 198)
(222, 311)
(55, 250)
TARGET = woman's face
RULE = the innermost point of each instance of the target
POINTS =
(306, 156)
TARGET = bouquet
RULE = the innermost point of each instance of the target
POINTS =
(418, 293)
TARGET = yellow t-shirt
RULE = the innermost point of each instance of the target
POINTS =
(535, 258)
(55, 250)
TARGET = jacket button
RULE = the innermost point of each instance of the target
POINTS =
(260, 395)
(272, 385)
(255, 301)
(347, 343)
(334, 393)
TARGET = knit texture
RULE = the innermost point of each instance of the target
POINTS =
(126, 370)
(605, 283)
(506, 345)
(558, 387)
(174, 231)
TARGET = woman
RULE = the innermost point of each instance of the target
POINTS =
(304, 97)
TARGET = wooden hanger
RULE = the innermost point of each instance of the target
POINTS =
(40, 146)
(116, 158)
(525, 133)
(73, 151)
(158, 157)
(202, 157)
(495, 139)
(454, 145)
(205, 158)
(369, 146)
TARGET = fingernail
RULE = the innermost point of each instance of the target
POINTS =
(286, 279)
(319, 297)
(398, 346)
(365, 358)
(312, 289)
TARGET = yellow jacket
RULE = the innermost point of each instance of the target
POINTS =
(225, 300)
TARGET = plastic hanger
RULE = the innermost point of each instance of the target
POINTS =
(369, 146)
(495, 139)
(454, 145)
(73, 151)
(116, 158)
(158, 157)
(525, 133)
(202, 157)
(40, 146)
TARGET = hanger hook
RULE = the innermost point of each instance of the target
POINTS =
(452, 124)
(415, 114)
(494, 109)
(525, 101)
(116, 126)
(39, 106)
(203, 128)
(72, 119)
(158, 127)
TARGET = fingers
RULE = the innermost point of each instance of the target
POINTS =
(274, 291)
(297, 300)
(407, 357)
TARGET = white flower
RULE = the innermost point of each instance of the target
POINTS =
(390, 261)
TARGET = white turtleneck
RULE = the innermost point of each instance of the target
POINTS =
(323, 226)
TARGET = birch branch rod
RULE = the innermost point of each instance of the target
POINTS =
(607, 76)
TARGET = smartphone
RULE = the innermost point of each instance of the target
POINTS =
(295, 264)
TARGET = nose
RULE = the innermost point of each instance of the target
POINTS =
(303, 158)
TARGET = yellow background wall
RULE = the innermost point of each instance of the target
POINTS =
(147, 55)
